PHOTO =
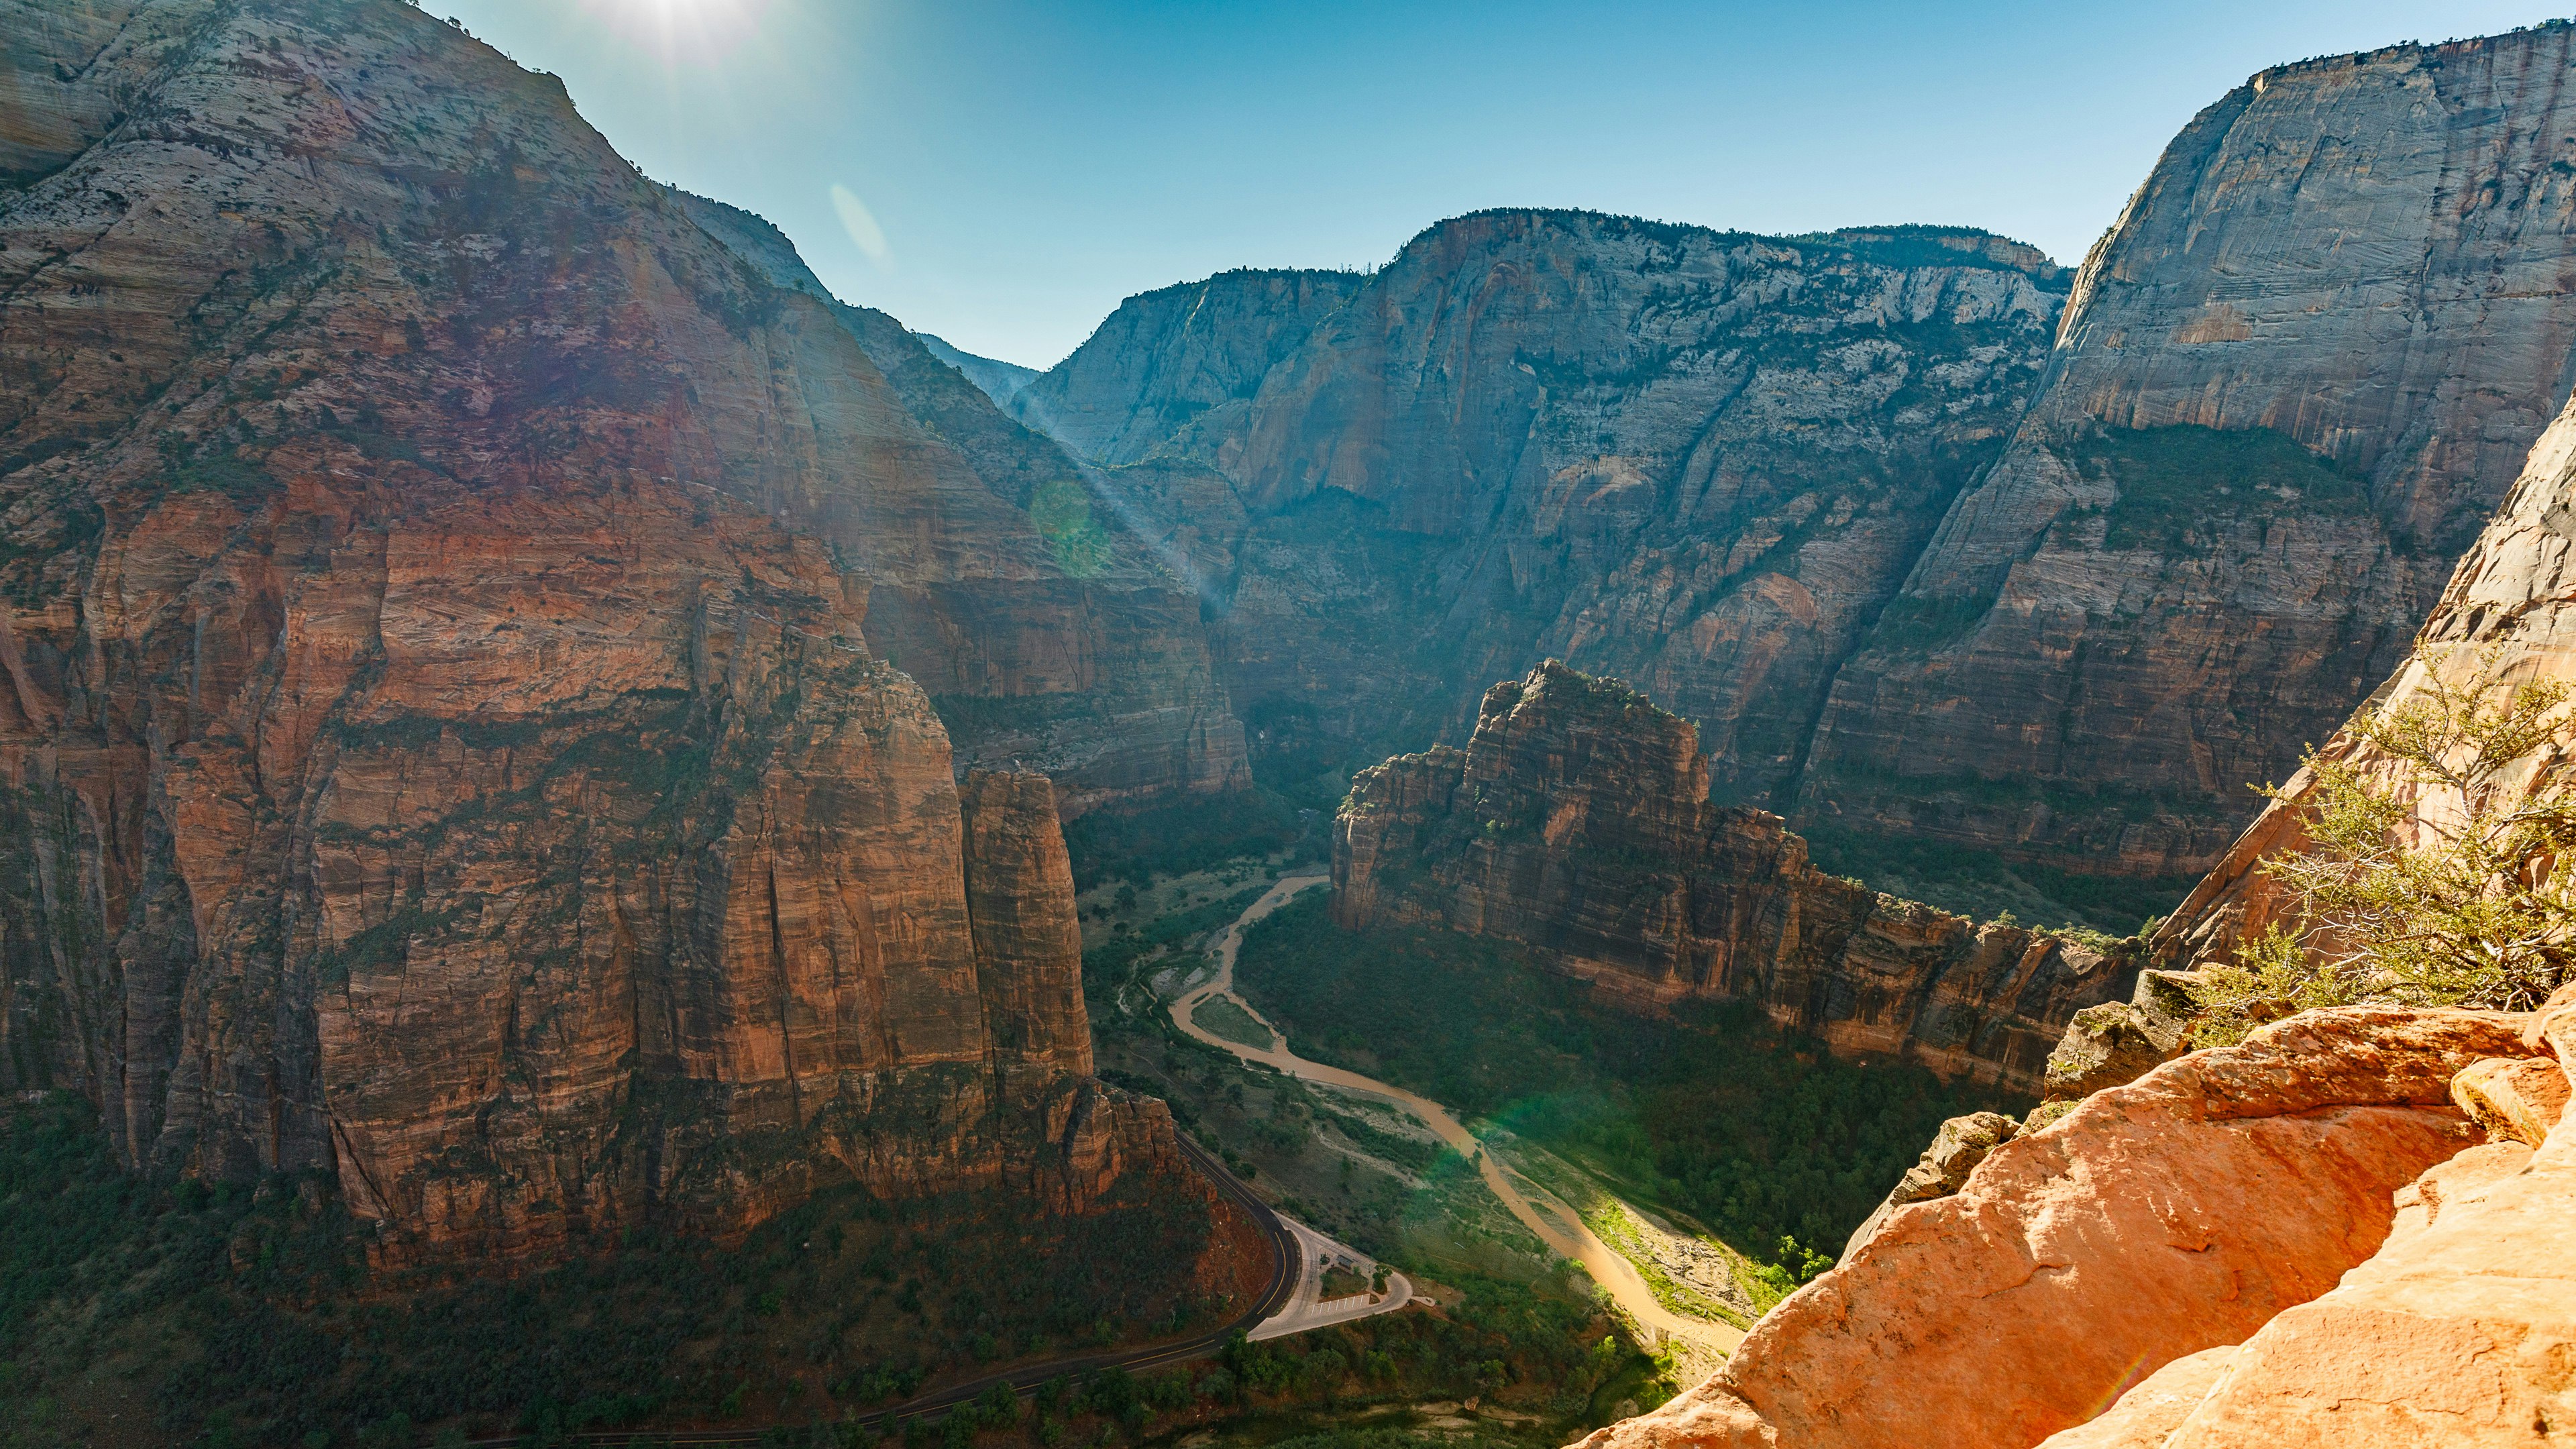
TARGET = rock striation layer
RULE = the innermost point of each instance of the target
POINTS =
(1703, 461)
(1047, 633)
(2291, 384)
(444, 740)
(2513, 593)
(1577, 823)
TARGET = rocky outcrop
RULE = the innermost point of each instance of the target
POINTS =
(2117, 1042)
(1703, 461)
(2191, 1210)
(2512, 1099)
(1957, 1148)
(1028, 940)
(2291, 384)
(2458, 1330)
(1577, 823)
(442, 744)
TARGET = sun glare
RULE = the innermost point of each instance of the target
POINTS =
(695, 31)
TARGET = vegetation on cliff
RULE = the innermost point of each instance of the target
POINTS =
(247, 1313)
(2436, 871)
(1768, 1138)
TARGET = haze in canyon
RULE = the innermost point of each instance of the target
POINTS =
(1597, 829)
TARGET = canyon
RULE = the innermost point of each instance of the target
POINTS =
(527, 716)
(1934, 540)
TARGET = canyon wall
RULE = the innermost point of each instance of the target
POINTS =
(1703, 461)
(1048, 633)
(445, 741)
(1181, 361)
(2508, 615)
(2291, 384)
(1577, 823)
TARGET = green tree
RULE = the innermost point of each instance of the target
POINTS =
(2439, 870)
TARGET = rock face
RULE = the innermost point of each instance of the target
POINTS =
(1047, 633)
(1001, 381)
(1914, 567)
(1698, 460)
(2514, 593)
(2291, 384)
(2177, 1214)
(1182, 361)
(1577, 823)
(442, 744)
(2458, 1331)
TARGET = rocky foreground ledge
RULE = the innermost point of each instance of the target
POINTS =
(2351, 1229)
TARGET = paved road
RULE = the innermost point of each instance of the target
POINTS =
(1561, 1229)
(1308, 1308)
(1289, 1270)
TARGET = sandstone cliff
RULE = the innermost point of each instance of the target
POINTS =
(1700, 460)
(442, 744)
(2514, 592)
(2290, 385)
(1001, 381)
(1081, 653)
(1184, 360)
(1577, 823)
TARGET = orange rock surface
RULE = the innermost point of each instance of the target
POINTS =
(2180, 1213)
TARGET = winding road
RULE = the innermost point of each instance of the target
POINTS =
(1570, 1237)
(1606, 1266)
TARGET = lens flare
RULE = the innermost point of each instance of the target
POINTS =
(869, 237)
(695, 32)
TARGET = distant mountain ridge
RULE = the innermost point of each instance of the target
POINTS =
(1000, 380)
(1700, 460)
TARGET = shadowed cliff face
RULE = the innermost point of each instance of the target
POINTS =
(1576, 823)
(1183, 361)
(1092, 665)
(2359, 270)
(1702, 461)
(2513, 593)
(441, 744)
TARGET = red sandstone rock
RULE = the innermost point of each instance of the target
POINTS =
(2460, 1332)
(2176, 1214)
(2517, 1098)
(1577, 822)
(2149, 1412)
(444, 738)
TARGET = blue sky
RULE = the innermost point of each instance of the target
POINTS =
(1008, 170)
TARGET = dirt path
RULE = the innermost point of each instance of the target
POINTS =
(1568, 1236)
